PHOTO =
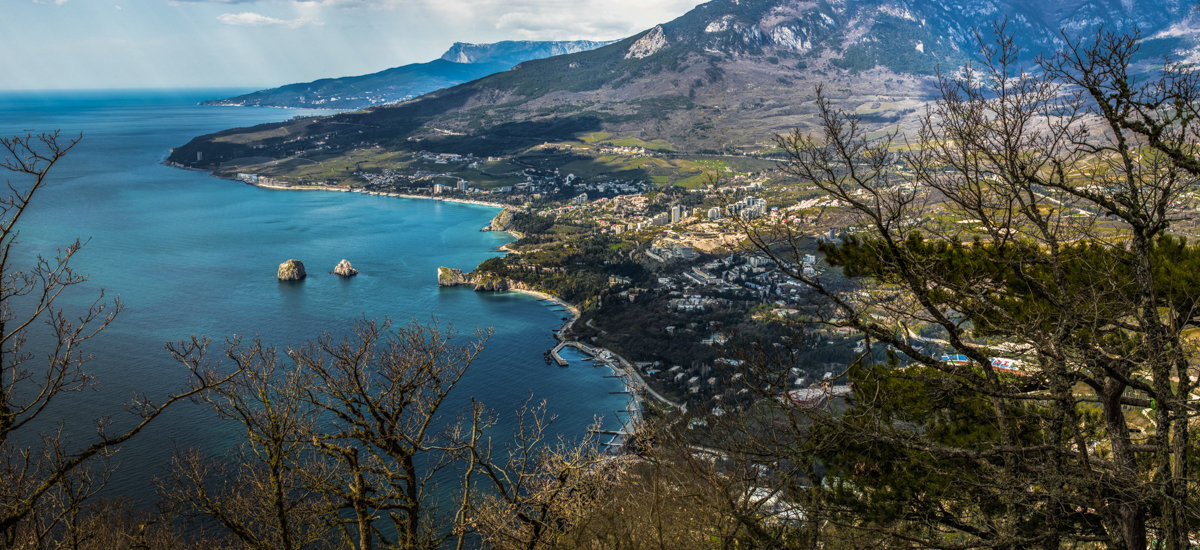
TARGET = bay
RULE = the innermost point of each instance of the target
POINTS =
(189, 254)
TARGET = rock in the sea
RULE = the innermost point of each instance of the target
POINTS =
(292, 270)
(344, 269)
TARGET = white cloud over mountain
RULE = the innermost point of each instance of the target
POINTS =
(265, 43)
(525, 19)
(251, 19)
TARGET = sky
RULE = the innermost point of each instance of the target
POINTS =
(99, 44)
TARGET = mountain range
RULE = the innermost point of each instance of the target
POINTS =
(461, 63)
(724, 77)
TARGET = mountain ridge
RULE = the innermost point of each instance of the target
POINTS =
(462, 62)
(724, 77)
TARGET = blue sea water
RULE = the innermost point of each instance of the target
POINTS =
(189, 254)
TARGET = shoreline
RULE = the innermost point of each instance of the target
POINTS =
(637, 387)
(276, 187)
(620, 367)
(552, 298)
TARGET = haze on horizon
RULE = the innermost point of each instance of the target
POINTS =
(98, 44)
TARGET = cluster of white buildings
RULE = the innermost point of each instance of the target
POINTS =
(748, 208)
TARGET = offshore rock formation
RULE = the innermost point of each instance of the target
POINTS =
(292, 270)
(344, 269)
(448, 276)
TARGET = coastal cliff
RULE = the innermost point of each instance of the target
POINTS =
(448, 276)
(501, 222)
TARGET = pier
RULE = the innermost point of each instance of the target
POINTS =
(635, 387)
(609, 432)
(593, 354)
(558, 360)
(621, 368)
(617, 440)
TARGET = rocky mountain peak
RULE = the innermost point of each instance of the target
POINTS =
(908, 36)
(648, 45)
(726, 76)
(458, 53)
(514, 51)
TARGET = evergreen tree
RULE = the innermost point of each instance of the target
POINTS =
(1032, 218)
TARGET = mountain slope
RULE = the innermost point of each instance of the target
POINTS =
(512, 52)
(461, 63)
(726, 76)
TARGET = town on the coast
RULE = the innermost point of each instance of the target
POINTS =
(661, 283)
(848, 274)
(651, 253)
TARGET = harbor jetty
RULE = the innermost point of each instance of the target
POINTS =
(635, 387)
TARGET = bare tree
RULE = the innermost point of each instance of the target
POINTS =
(1030, 219)
(260, 493)
(381, 392)
(345, 440)
(537, 490)
(46, 479)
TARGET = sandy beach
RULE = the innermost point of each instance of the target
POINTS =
(549, 297)
(277, 187)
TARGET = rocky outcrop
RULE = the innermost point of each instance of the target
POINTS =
(344, 269)
(291, 270)
(448, 276)
(648, 45)
(499, 284)
(512, 52)
(501, 222)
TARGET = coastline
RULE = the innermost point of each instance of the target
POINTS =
(552, 298)
(276, 187)
(634, 383)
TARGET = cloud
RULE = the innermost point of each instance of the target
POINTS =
(363, 3)
(1184, 28)
(251, 19)
(546, 19)
(55, 2)
(514, 19)
(529, 17)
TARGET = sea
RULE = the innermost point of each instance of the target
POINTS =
(188, 255)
